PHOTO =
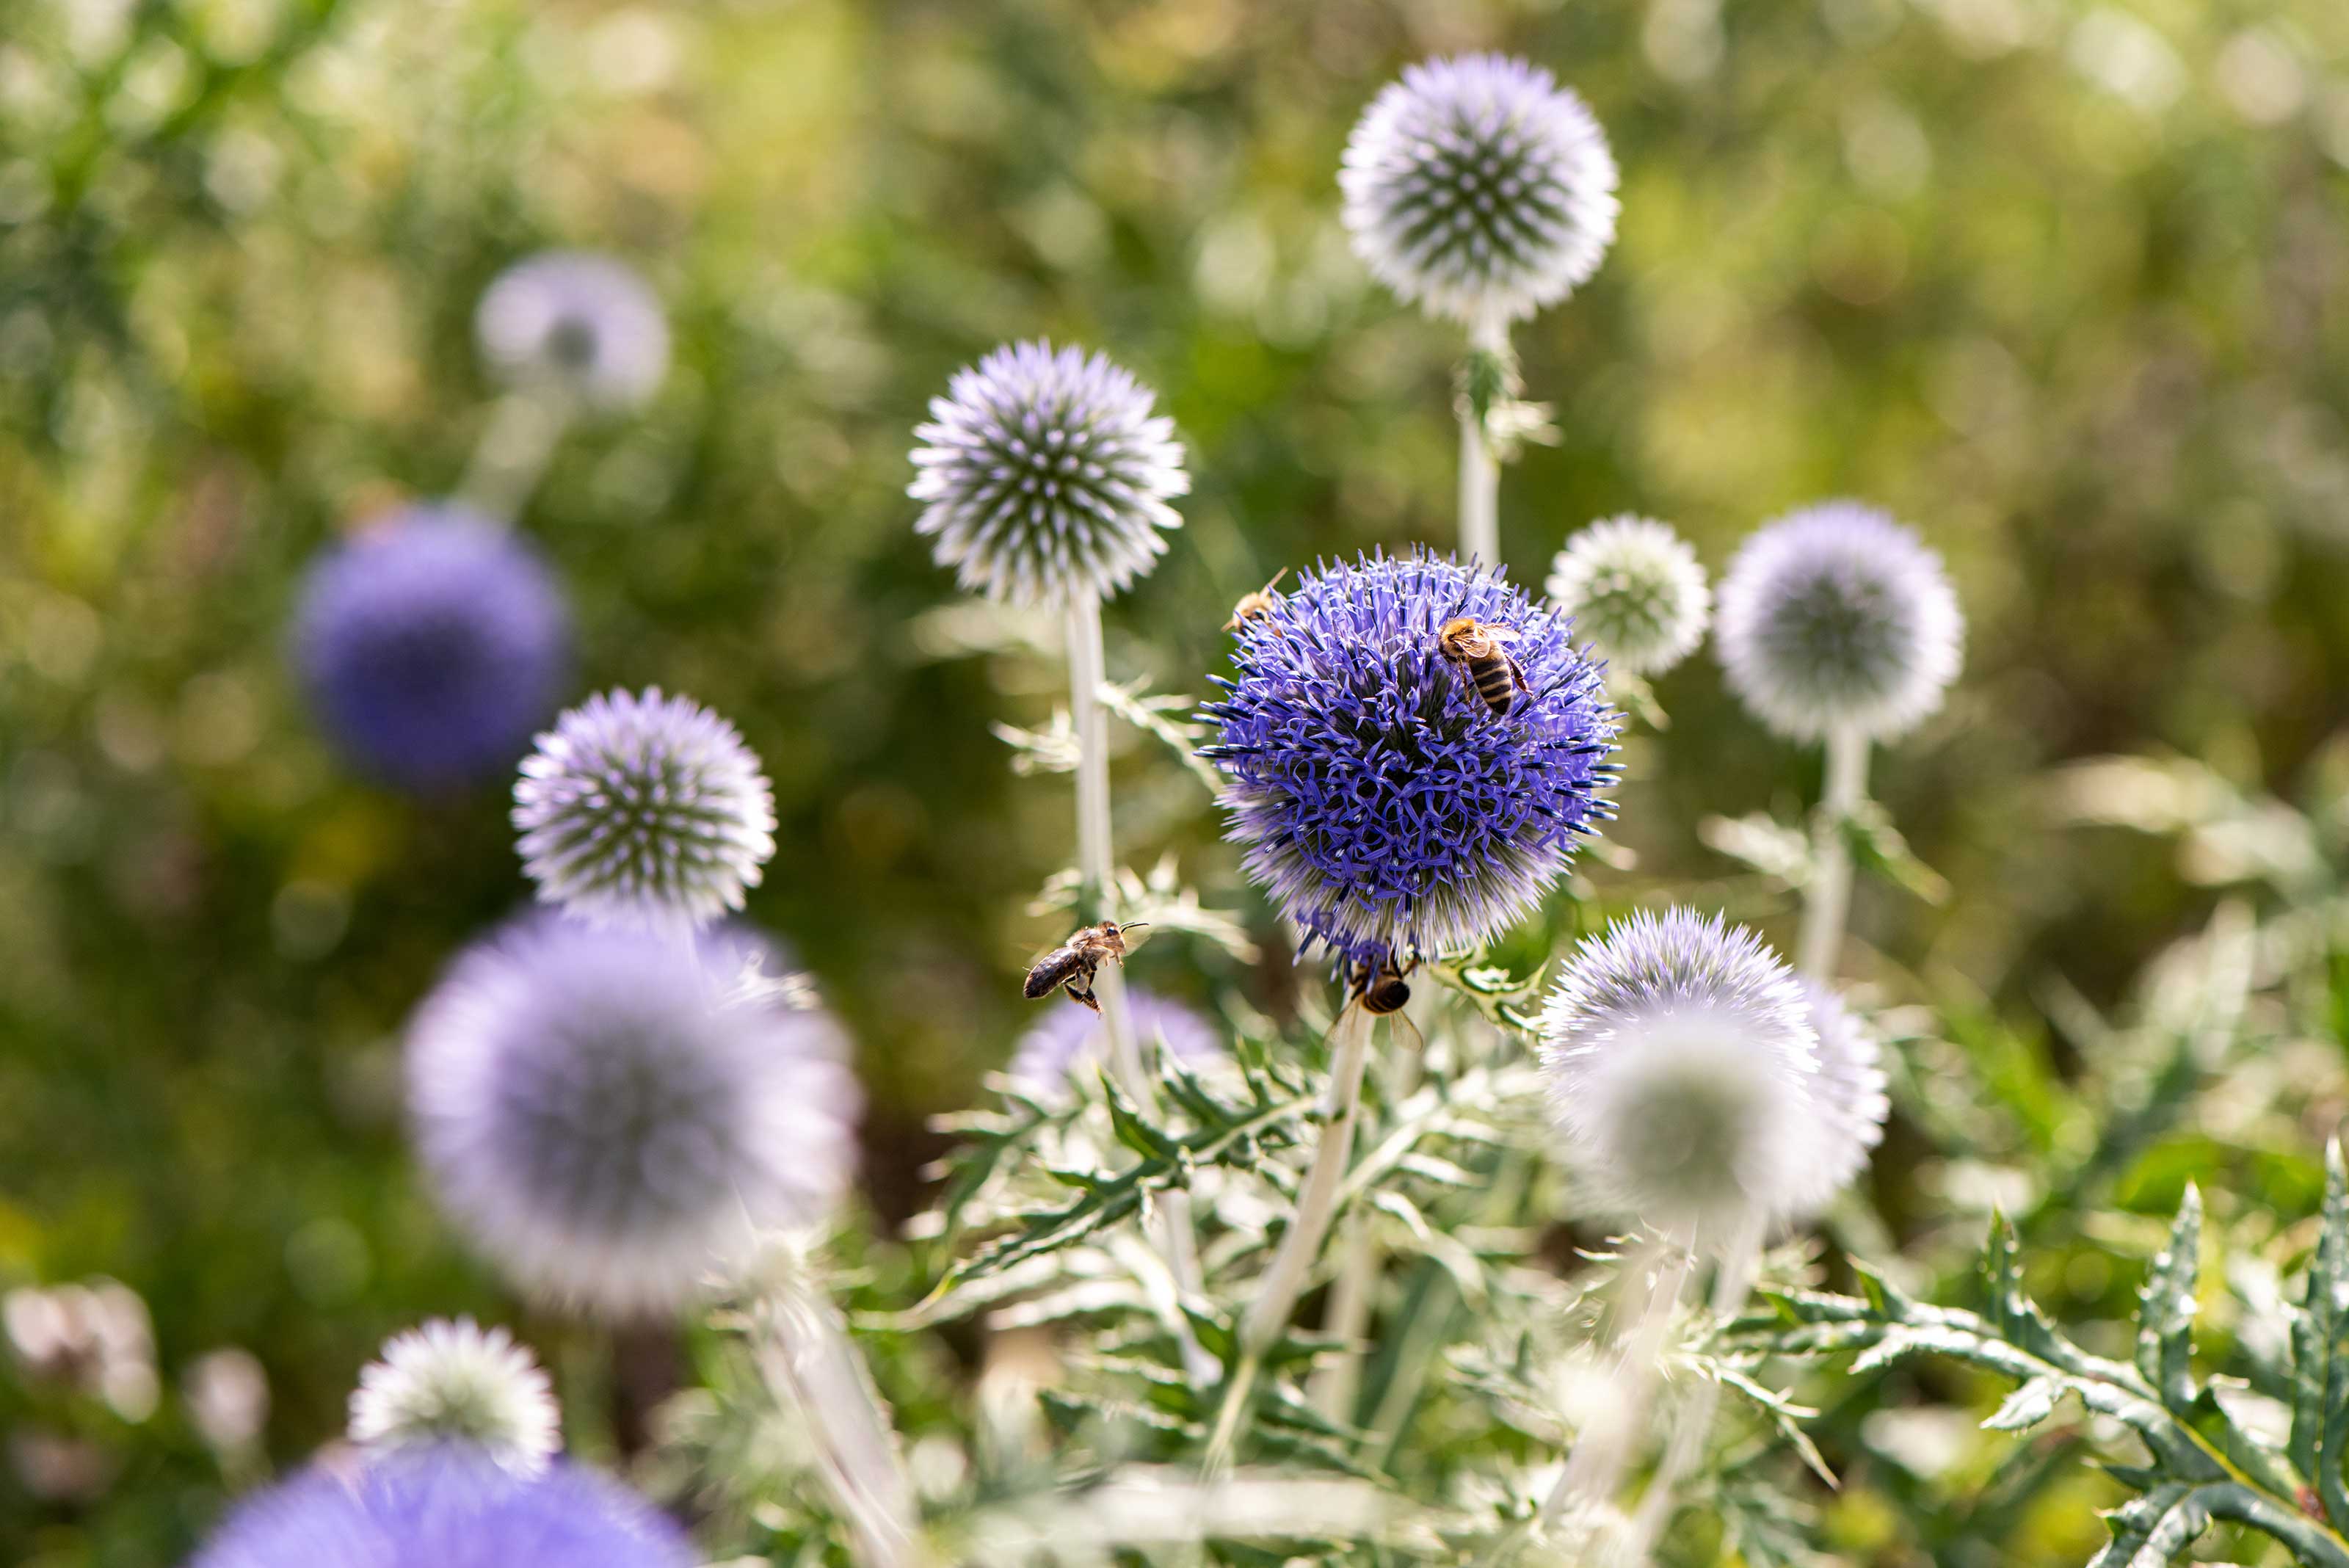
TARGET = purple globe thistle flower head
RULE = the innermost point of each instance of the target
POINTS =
(1479, 189)
(1044, 474)
(1836, 616)
(645, 811)
(609, 1126)
(583, 325)
(449, 1506)
(1683, 1066)
(1071, 1042)
(431, 645)
(1848, 1096)
(1380, 799)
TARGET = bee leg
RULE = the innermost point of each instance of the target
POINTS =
(1083, 993)
(1517, 674)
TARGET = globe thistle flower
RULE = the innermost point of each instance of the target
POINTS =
(1384, 804)
(1680, 1060)
(1634, 588)
(643, 811)
(1836, 616)
(448, 1506)
(1479, 189)
(431, 645)
(457, 1381)
(578, 324)
(1847, 1096)
(1043, 476)
(1072, 1041)
(606, 1127)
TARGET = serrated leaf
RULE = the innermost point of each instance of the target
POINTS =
(2027, 1405)
(2320, 1349)
(1877, 846)
(2165, 1324)
(2149, 1531)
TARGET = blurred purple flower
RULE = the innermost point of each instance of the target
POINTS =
(609, 1125)
(448, 1506)
(1382, 804)
(1836, 616)
(1681, 1066)
(1071, 1041)
(579, 324)
(431, 645)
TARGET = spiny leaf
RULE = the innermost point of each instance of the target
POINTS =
(2320, 1350)
(2028, 1406)
(2149, 1531)
(2165, 1323)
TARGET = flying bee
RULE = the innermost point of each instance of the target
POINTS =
(1075, 962)
(1255, 604)
(1479, 648)
(1384, 990)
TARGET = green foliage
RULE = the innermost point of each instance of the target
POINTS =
(2205, 1464)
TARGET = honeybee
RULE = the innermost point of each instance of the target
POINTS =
(1075, 961)
(1479, 648)
(1255, 604)
(1383, 989)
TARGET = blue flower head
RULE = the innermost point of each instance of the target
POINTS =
(431, 646)
(1384, 804)
(448, 1506)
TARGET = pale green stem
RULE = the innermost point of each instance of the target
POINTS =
(1692, 1422)
(1095, 899)
(1480, 474)
(1317, 1206)
(1602, 1449)
(1339, 1382)
(512, 453)
(1827, 900)
(813, 1368)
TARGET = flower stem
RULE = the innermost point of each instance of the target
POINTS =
(1337, 1385)
(1095, 899)
(1480, 474)
(1827, 899)
(1317, 1206)
(511, 454)
(812, 1368)
(1694, 1420)
(1603, 1449)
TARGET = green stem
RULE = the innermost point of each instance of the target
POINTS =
(1480, 474)
(1827, 900)
(511, 454)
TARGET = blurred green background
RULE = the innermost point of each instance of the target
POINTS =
(2065, 284)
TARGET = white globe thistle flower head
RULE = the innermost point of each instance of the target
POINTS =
(1044, 474)
(644, 811)
(1479, 189)
(1837, 618)
(606, 1127)
(583, 325)
(1847, 1096)
(455, 1381)
(1635, 590)
(1680, 1057)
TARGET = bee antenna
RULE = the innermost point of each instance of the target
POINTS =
(1132, 926)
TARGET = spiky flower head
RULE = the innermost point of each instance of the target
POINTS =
(455, 1381)
(644, 811)
(1836, 616)
(580, 325)
(1634, 588)
(1072, 1041)
(1479, 189)
(606, 1126)
(429, 646)
(450, 1506)
(1043, 476)
(1382, 804)
(1680, 1062)
(1847, 1095)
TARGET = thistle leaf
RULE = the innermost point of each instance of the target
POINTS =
(2320, 1349)
(2166, 1309)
